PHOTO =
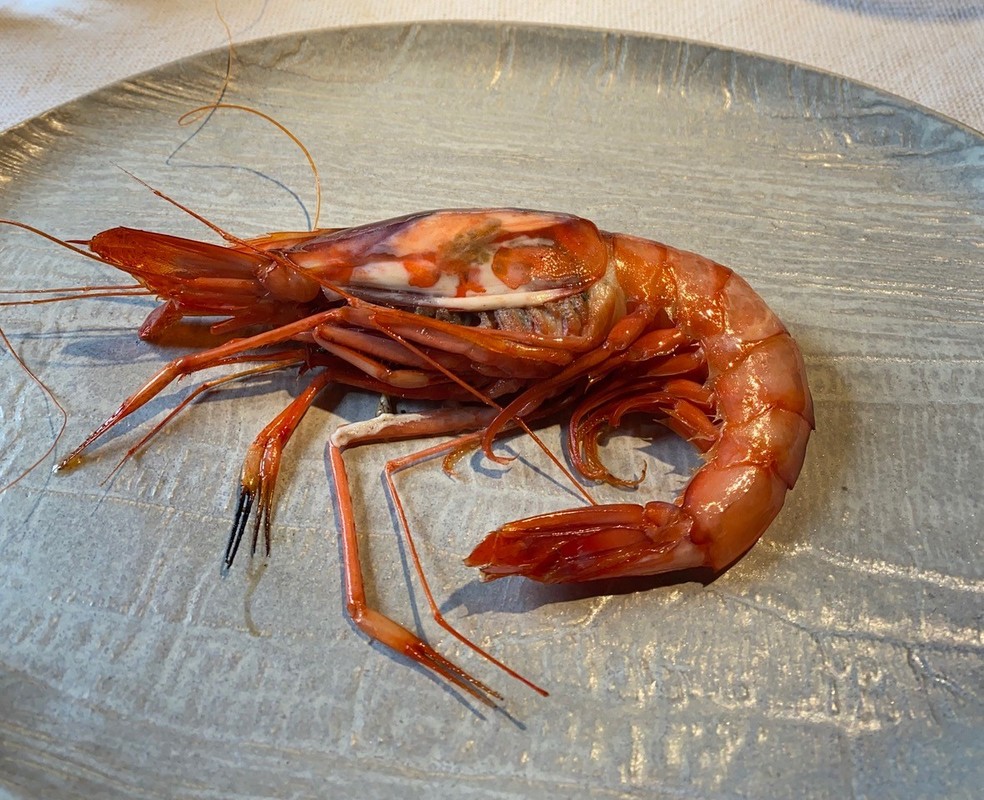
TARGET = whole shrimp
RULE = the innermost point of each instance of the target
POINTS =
(502, 316)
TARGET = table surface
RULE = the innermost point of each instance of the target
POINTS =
(928, 51)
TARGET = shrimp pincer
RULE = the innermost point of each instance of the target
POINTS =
(502, 317)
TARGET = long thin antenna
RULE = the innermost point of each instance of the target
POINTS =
(47, 391)
(283, 129)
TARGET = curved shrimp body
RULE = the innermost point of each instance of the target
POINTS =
(546, 313)
(714, 364)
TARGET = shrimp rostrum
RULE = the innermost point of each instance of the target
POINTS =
(503, 317)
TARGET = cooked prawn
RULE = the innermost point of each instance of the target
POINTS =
(503, 317)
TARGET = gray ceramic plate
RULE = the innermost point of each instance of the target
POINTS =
(841, 657)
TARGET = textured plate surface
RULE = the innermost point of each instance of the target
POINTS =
(842, 656)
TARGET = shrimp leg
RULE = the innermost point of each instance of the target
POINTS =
(185, 365)
(262, 466)
(387, 427)
(373, 623)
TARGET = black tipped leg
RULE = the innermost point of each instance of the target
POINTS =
(260, 468)
(239, 524)
(244, 513)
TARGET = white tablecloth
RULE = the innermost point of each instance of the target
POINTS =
(930, 51)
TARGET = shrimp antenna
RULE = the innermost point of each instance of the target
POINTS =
(219, 95)
(229, 237)
(185, 118)
(51, 395)
(64, 293)
(279, 258)
(205, 112)
(68, 245)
